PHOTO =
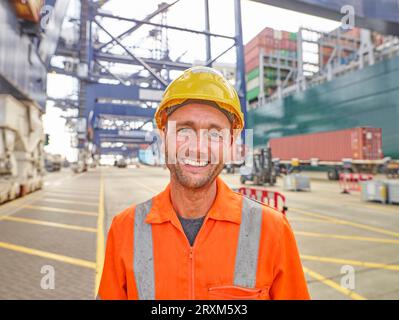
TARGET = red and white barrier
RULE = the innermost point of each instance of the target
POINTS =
(273, 199)
(351, 181)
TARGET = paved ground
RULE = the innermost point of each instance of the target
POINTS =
(342, 240)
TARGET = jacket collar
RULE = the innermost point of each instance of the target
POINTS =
(226, 207)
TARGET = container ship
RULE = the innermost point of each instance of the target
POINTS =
(349, 80)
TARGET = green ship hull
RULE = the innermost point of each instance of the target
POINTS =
(367, 97)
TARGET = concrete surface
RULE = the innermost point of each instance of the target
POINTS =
(61, 227)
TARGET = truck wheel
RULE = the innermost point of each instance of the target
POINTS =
(242, 180)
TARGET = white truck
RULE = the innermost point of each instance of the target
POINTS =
(21, 148)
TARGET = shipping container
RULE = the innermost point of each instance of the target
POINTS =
(258, 41)
(252, 74)
(252, 84)
(250, 65)
(279, 52)
(355, 143)
(253, 94)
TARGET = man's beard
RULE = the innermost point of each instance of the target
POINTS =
(188, 181)
(193, 181)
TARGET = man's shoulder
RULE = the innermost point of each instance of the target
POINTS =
(128, 213)
(270, 215)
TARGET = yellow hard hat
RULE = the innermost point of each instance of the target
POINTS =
(201, 83)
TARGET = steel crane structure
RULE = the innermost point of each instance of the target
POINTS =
(114, 108)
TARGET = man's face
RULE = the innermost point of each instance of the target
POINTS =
(197, 140)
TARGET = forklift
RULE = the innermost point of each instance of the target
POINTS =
(263, 170)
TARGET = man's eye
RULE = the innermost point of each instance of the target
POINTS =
(185, 130)
(185, 133)
(214, 135)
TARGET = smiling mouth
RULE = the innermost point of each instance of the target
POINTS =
(194, 163)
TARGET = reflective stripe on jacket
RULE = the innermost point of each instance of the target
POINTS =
(244, 250)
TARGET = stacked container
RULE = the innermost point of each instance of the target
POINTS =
(347, 42)
(279, 50)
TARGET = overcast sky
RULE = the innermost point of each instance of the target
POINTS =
(188, 14)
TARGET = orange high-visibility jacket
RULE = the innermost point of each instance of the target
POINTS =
(244, 250)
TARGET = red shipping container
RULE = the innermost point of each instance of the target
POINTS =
(284, 44)
(285, 34)
(254, 53)
(267, 32)
(269, 42)
(292, 45)
(355, 143)
(258, 41)
(250, 65)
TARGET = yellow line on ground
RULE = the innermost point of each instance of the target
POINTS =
(70, 195)
(333, 284)
(13, 206)
(374, 265)
(50, 224)
(87, 213)
(345, 237)
(74, 191)
(69, 201)
(100, 236)
(49, 255)
(388, 210)
(347, 222)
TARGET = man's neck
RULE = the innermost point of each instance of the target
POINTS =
(192, 203)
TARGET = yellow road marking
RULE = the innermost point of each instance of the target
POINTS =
(13, 206)
(100, 236)
(387, 210)
(70, 195)
(50, 224)
(74, 191)
(49, 255)
(333, 284)
(87, 213)
(374, 265)
(346, 222)
(69, 201)
(345, 237)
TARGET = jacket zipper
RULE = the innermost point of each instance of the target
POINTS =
(192, 274)
(191, 259)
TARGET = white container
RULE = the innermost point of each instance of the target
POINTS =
(278, 34)
(252, 84)
(296, 182)
(374, 190)
(393, 192)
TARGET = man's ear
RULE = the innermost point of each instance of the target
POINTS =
(162, 134)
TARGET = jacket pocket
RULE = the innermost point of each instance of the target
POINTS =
(231, 292)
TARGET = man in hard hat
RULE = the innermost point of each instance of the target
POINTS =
(198, 239)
